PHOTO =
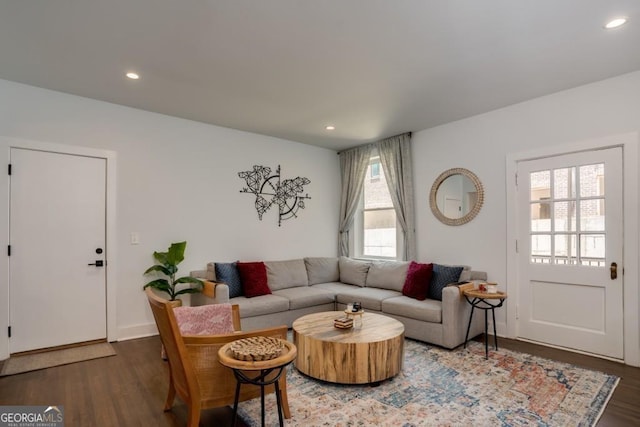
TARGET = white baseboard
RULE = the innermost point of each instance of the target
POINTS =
(137, 331)
(501, 329)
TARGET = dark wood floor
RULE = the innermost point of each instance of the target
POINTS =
(129, 389)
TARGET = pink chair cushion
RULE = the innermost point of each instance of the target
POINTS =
(212, 319)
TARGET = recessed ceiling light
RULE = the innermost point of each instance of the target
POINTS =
(330, 127)
(615, 23)
(133, 76)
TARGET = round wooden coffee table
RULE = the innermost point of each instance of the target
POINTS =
(366, 354)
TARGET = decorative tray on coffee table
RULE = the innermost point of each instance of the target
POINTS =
(354, 313)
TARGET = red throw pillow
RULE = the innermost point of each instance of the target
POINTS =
(416, 285)
(253, 276)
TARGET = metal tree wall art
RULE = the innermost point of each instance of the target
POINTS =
(269, 189)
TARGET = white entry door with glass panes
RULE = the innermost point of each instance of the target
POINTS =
(570, 230)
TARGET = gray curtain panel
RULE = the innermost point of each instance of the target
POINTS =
(395, 156)
(353, 166)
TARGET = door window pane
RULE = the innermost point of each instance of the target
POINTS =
(592, 180)
(540, 185)
(541, 245)
(565, 249)
(592, 215)
(564, 183)
(540, 217)
(564, 216)
(592, 249)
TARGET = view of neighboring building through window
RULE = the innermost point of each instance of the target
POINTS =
(374, 168)
(568, 216)
(378, 217)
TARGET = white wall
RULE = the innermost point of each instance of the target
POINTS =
(177, 180)
(482, 144)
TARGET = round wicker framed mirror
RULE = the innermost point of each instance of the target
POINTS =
(456, 196)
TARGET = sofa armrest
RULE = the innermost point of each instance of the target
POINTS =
(212, 293)
(202, 274)
(455, 318)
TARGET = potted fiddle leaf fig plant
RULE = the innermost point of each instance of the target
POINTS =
(167, 264)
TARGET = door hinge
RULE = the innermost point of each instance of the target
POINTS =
(516, 246)
(517, 311)
(9, 169)
(9, 250)
(9, 331)
(516, 179)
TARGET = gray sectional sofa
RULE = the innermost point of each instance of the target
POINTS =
(310, 285)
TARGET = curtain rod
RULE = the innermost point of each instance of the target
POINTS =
(374, 143)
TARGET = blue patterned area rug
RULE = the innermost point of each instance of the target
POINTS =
(438, 387)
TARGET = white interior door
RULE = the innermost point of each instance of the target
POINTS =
(570, 235)
(57, 227)
(452, 208)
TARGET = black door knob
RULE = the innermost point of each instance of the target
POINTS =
(98, 263)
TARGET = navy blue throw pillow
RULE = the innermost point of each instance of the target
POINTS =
(442, 276)
(227, 272)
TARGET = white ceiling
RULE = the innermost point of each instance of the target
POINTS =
(288, 68)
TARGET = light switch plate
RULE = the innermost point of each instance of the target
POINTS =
(135, 238)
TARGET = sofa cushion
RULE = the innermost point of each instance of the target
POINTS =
(370, 298)
(254, 278)
(286, 274)
(322, 270)
(335, 288)
(427, 310)
(263, 304)
(305, 297)
(417, 283)
(442, 276)
(227, 272)
(353, 272)
(387, 275)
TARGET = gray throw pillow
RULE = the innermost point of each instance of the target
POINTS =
(442, 276)
(227, 272)
(353, 272)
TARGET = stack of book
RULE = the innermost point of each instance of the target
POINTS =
(343, 322)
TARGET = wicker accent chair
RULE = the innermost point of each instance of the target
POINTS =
(196, 375)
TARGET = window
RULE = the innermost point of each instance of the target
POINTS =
(376, 228)
(374, 169)
(567, 216)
